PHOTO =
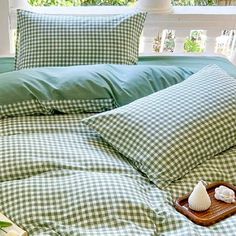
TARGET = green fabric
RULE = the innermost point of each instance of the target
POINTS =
(42, 88)
(168, 133)
(6, 64)
(193, 63)
(53, 40)
(59, 178)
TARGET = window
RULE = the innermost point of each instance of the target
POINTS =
(81, 2)
(204, 2)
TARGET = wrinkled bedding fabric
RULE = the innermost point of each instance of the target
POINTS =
(58, 177)
(80, 89)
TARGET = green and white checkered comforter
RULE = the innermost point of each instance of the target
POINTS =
(58, 177)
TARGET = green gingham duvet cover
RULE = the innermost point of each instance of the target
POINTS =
(58, 177)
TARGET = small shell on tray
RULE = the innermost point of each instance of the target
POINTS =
(199, 199)
(225, 194)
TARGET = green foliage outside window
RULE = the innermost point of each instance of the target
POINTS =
(194, 2)
(192, 44)
(121, 2)
(80, 2)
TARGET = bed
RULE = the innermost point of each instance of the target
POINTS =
(96, 141)
(59, 177)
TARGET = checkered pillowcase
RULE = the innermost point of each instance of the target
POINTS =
(170, 132)
(49, 40)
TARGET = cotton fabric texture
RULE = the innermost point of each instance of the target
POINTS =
(170, 132)
(52, 40)
(79, 89)
(60, 178)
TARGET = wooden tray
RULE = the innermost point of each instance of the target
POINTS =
(218, 211)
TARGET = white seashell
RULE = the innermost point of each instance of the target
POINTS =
(225, 194)
(199, 199)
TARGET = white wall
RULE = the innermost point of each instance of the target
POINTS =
(4, 28)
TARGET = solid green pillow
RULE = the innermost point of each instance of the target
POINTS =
(76, 89)
(170, 132)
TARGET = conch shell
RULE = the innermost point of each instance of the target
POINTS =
(199, 199)
(225, 194)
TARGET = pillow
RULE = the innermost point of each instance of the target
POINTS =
(52, 40)
(168, 133)
(91, 88)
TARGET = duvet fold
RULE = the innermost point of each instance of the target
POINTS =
(79, 89)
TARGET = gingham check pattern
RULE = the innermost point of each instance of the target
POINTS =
(34, 107)
(46, 40)
(60, 178)
(170, 132)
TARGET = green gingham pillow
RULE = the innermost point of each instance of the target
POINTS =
(170, 132)
(52, 40)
